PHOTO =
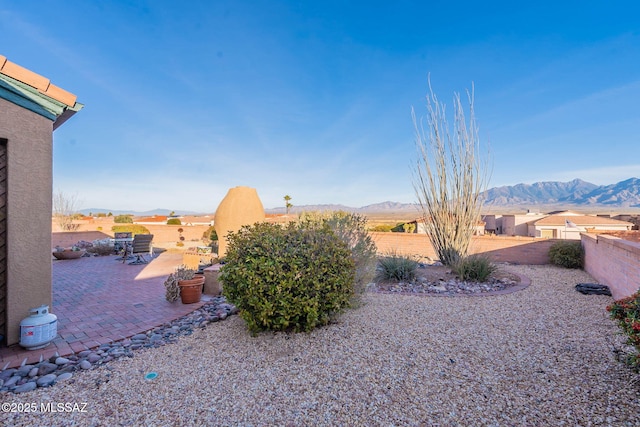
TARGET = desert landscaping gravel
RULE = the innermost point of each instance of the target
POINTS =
(543, 356)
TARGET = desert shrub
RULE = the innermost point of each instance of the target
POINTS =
(351, 228)
(132, 228)
(382, 228)
(398, 228)
(210, 234)
(287, 277)
(568, 254)
(174, 221)
(409, 227)
(123, 219)
(626, 312)
(474, 268)
(101, 215)
(394, 266)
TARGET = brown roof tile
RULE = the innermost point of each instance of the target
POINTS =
(37, 81)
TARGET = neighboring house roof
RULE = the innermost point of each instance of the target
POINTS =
(160, 219)
(36, 93)
(581, 221)
(564, 213)
(193, 219)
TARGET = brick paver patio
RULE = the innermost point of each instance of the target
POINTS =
(99, 300)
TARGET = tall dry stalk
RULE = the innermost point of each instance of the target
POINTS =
(449, 177)
(64, 207)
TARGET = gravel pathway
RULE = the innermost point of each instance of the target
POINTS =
(539, 357)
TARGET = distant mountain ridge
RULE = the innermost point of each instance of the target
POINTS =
(577, 192)
(539, 192)
(382, 207)
(624, 194)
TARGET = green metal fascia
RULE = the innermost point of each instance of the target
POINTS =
(29, 98)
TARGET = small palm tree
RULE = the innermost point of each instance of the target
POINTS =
(287, 205)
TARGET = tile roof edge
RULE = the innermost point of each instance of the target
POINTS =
(42, 84)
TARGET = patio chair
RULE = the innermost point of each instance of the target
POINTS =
(140, 246)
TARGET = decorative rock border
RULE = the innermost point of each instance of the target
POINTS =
(56, 369)
(523, 284)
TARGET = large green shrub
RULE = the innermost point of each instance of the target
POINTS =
(123, 219)
(627, 314)
(174, 221)
(133, 229)
(396, 267)
(568, 254)
(287, 277)
(351, 228)
(474, 268)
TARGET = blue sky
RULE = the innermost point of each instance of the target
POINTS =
(185, 100)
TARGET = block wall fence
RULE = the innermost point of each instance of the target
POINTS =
(515, 250)
(512, 249)
(163, 235)
(610, 260)
(613, 262)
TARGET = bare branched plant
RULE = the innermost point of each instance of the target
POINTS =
(450, 176)
(64, 209)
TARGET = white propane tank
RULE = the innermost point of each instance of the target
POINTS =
(39, 329)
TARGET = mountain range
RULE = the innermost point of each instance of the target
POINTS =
(624, 194)
(576, 193)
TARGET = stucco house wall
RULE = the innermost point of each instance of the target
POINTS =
(29, 177)
(518, 225)
(31, 108)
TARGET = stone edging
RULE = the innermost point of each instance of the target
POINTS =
(48, 372)
(523, 284)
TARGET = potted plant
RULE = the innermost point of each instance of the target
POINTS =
(184, 282)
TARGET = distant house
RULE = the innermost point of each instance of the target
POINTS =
(197, 220)
(569, 225)
(635, 219)
(31, 108)
(512, 224)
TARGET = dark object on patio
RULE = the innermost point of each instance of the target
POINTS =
(69, 254)
(140, 246)
(593, 289)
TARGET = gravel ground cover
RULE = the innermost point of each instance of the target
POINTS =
(542, 356)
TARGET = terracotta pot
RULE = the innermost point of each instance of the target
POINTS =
(191, 290)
